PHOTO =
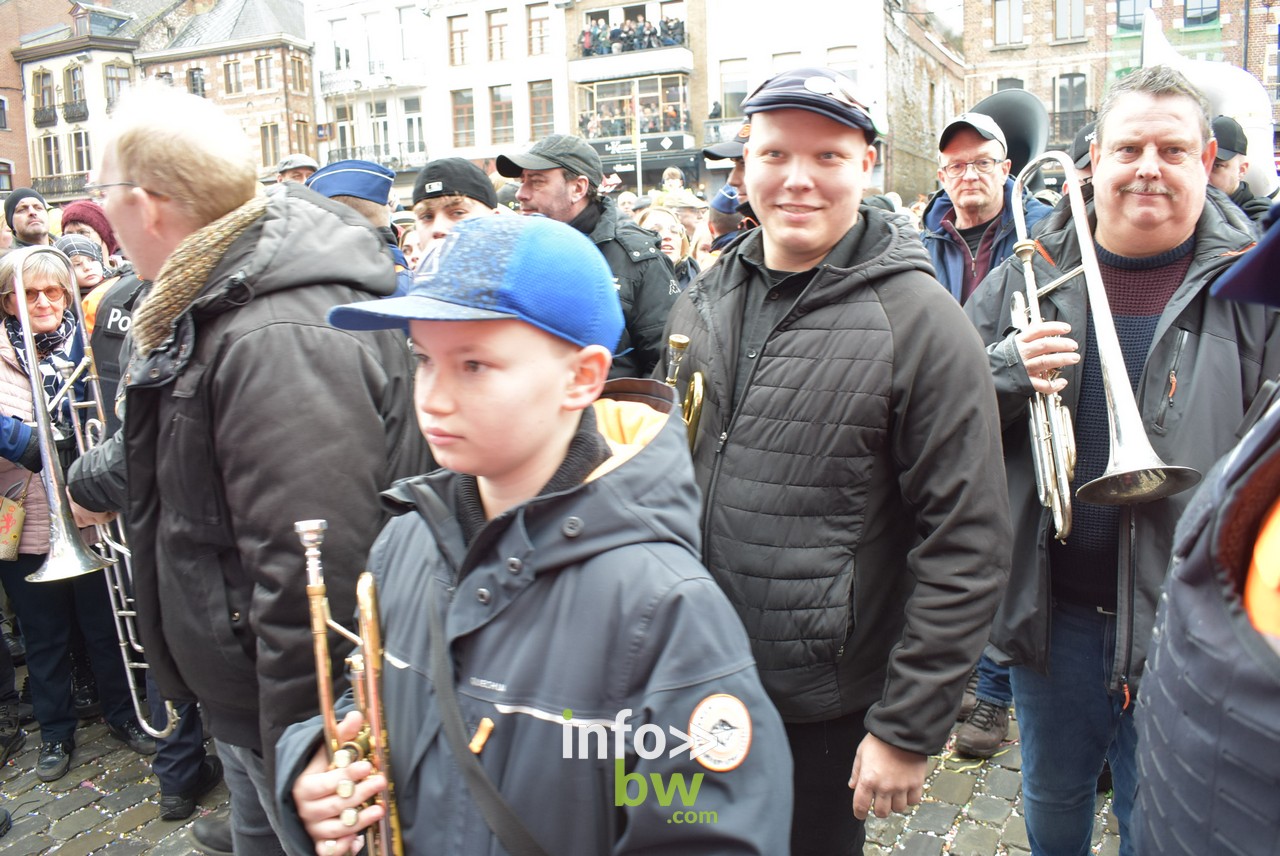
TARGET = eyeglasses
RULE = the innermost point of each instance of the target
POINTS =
(982, 166)
(98, 192)
(57, 294)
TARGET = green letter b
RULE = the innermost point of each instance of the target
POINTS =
(622, 785)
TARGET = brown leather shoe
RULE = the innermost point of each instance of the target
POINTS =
(984, 731)
(970, 697)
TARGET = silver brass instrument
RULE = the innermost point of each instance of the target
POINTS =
(691, 409)
(365, 667)
(68, 556)
(1134, 472)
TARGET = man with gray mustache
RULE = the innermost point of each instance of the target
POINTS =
(1077, 615)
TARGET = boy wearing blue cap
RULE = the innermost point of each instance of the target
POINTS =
(552, 567)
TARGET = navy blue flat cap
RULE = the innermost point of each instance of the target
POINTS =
(818, 90)
(361, 179)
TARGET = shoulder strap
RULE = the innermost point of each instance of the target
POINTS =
(513, 834)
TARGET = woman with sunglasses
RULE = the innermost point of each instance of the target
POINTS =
(49, 610)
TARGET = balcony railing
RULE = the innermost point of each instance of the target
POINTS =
(719, 130)
(676, 59)
(71, 184)
(1064, 126)
(43, 117)
(399, 157)
(75, 111)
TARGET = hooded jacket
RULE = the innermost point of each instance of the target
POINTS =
(585, 603)
(1254, 207)
(948, 251)
(1206, 362)
(253, 415)
(854, 501)
(646, 286)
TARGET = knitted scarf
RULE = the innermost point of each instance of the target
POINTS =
(52, 349)
(186, 272)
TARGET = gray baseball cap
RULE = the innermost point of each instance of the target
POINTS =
(980, 122)
(558, 151)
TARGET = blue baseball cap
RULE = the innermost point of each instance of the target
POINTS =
(1252, 279)
(359, 178)
(819, 90)
(726, 200)
(530, 269)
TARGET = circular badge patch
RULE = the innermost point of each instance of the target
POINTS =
(721, 727)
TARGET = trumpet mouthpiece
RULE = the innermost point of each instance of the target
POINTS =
(311, 532)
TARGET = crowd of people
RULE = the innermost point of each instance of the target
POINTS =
(630, 35)
(839, 550)
(619, 120)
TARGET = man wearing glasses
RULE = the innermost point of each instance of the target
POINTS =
(968, 230)
(242, 405)
(968, 227)
(849, 461)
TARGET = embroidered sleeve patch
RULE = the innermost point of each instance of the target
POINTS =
(725, 718)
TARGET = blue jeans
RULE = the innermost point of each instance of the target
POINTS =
(1070, 722)
(993, 683)
(254, 819)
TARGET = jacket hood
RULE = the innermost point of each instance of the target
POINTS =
(301, 239)
(607, 226)
(889, 246)
(643, 493)
(939, 206)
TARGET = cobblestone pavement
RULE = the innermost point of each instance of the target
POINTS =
(109, 804)
(974, 808)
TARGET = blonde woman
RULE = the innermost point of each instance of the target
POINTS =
(48, 611)
(673, 241)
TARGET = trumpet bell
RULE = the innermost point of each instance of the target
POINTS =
(1138, 484)
(68, 558)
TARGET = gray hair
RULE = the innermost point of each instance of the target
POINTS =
(1160, 81)
(34, 265)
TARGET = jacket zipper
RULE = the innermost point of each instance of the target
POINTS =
(1125, 644)
(720, 444)
(1167, 404)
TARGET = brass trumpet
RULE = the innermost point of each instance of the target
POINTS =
(691, 409)
(68, 555)
(365, 668)
(1134, 473)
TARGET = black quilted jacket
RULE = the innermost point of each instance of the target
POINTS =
(855, 506)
